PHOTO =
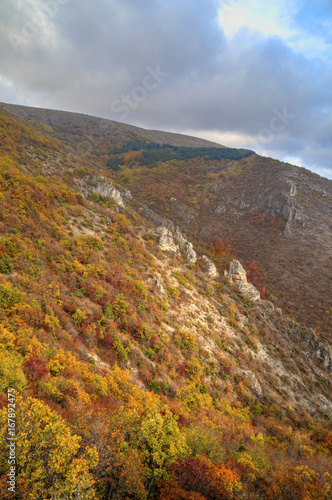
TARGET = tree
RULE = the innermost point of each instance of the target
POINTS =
(50, 463)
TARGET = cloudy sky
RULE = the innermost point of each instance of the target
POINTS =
(244, 73)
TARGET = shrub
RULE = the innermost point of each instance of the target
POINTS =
(155, 387)
(11, 374)
(194, 367)
(79, 317)
(150, 353)
(9, 296)
(51, 462)
(6, 266)
(108, 311)
(121, 351)
(139, 287)
(187, 340)
(35, 368)
(120, 306)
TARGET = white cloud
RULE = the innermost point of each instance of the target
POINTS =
(274, 18)
(229, 139)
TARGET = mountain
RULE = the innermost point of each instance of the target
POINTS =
(275, 217)
(131, 363)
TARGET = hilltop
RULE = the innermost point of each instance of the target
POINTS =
(97, 127)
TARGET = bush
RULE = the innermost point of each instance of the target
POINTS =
(6, 266)
(79, 317)
(139, 287)
(11, 374)
(35, 368)
(121, 351)
(120, 306)
(108, 311)
(9, 296)
(150, 353)
(52, 464)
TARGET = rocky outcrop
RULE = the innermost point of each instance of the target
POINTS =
(166, 241)
(101, 186)
(210, 268)
(238, 277)
(127, 195)
(190, 253)
(157, 284)
(317, 348)
(185, 246)
(252, 382)
(175, 241)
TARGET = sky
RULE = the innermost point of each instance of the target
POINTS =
(243, 73)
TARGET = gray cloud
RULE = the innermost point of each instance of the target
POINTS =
(85, 56)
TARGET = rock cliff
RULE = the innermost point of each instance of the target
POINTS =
(238, 277)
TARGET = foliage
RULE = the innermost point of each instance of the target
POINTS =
(47, 454)
(6, 266)
(120, 305)
(150, 424)
(10, 296)
(153, 152)
(204, 477)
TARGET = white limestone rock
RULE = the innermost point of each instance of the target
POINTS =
(238, 277)
(109, 191)
(101, 186)
(175, 241)
(166, 241)
(190, 253)
(186, 247)
(210, 268)
(252, 382)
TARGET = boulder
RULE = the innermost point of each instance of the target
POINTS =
(190, 253)
(166, 241)
(237, 276)
(210, 268)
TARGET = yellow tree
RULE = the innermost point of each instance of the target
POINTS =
(49, 461)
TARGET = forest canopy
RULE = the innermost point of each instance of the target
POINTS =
(152, 152)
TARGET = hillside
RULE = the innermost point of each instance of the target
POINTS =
(139, 369)
(282, 212)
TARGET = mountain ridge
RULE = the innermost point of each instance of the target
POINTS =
(57, 117)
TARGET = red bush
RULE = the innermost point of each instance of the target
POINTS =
(35, 368)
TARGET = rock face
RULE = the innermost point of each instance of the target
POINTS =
(108, 190)
(191, 254)
(210, 268)
(175, 241)
(166, 241)
(252, 382)
(317, 348)
(238, 277)
(101, 186)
